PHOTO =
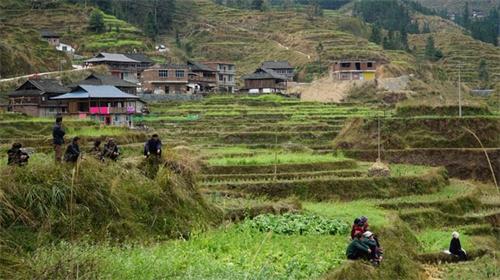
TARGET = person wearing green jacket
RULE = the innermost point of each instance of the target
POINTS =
(357, 249)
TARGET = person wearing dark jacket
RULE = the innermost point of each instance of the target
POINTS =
(456, 247)
(357, 249)
(153, 146)
(376, 252)
(73, 151)
(58, 138)
(16, 156)
(96, 150)
(111, 150)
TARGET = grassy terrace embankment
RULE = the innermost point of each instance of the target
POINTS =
(258, 155)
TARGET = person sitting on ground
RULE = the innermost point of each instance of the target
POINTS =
(111, 150)
(16, 156)
(153, 146)
(360, 224)
(73, 151)
(376, 251)
(456, 247)
(357, 249)
(96, 150)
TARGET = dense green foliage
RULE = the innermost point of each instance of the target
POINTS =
(303, 224)
(96, 22)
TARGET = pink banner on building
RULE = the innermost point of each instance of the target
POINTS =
(130, 110)
(99, 110)
(82, 116)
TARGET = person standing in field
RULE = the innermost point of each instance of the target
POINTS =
(153, 146)
(58, 139)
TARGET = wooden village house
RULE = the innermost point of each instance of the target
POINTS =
(127, 67)
(33, 98)
(283, 68)
(102, 80)
(265, 80)
(346, 70)
(103, 103)
(202, 77)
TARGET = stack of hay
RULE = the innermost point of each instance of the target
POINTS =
(379, 169)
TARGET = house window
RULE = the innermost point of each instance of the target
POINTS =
(345, 65)
(163, 73)
(221, 77)
(370, 65)
(179, 73)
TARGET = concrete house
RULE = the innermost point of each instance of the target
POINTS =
(127, 67)
(103, 103)
(265, 80)
(283, 68)
(203, 77)
(226, 72)
(33, 98)
(103, 80)
(345, 70)
(166, 79)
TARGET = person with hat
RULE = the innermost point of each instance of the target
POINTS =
(376, 251)
(360, 224)
(16, 156)
(456, 247)
(357, 249)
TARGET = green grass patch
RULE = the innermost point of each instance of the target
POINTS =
(438, 240)
(270, 158)
(348, 211)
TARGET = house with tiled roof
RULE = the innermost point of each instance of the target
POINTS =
(103, 103)
(265, 80)
(282, 67)
(127, 67)
(203, 76)
(33, 98)
(102, 80)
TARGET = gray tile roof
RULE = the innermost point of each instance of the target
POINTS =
(115, 57)
(48, 34)
(92, 91)
(276, 64)
(196, 66)
(44, 86)
(95, 79)
(263, 74)
(139, 57)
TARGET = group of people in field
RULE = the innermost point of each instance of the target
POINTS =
(366, 246)
(72, 153)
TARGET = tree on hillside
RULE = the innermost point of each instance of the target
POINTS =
(376, 36)
(96, 22)
(484, 75)
(431, 52)
(466, 16)
(319, 53)
(258, 5)
(150, 27)
(427, 28)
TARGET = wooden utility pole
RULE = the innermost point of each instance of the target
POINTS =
(459, 90)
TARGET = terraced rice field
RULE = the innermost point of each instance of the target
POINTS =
(272, 156)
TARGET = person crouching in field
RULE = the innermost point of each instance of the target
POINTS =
(456, 247)
(16, 156)
(360, 225)
(111, 150)
(96, 150)
(357, 249)
(376, 252)
(73, 151)
(153, 146)
(58, 139)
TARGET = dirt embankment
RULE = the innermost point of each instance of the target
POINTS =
(325, 90)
